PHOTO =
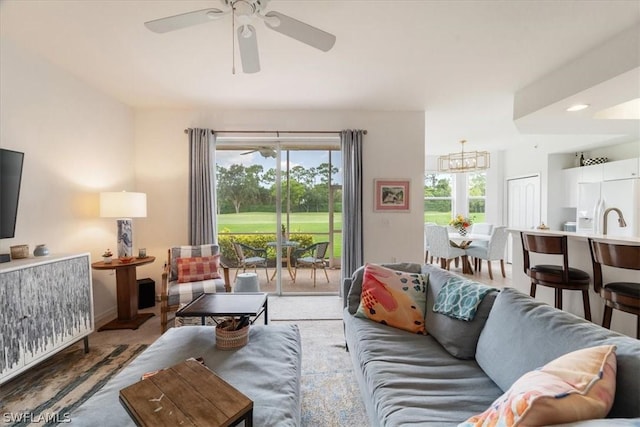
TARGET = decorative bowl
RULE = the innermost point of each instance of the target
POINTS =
(126, 259)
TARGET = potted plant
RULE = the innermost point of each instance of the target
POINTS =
(107, 256)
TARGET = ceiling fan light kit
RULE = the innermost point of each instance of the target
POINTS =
(243, 12)
(464, 161)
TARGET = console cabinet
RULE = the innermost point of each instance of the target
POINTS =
(46, 305)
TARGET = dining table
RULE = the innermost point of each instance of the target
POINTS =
(289, 245)
(463, 241)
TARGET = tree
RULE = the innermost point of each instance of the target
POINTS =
(239, 184)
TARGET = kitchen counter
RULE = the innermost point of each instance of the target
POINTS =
(579, 257)
(624, 240)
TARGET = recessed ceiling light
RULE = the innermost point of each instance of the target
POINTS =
(578, 107)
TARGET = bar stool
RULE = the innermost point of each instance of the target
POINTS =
(559, 277)
(624, 296)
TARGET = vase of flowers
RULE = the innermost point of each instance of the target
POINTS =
(461, 223)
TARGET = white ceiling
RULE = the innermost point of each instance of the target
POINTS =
(459, 61)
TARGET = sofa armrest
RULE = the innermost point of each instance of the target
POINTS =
(346, 285)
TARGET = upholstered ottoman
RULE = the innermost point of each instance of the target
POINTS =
(267, 370)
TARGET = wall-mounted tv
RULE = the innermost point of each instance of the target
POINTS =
(10, 177)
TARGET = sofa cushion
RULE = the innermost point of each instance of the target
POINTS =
(407, 379)
(533, 333)
(393, 297)
(356, 281)
(576, 386)
(458, 337)
(182, 293)
(197, 269)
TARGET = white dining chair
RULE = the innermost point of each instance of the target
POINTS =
(494, 250)
(426, 243)
(440, 247)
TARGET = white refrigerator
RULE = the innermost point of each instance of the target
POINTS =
(595, 198)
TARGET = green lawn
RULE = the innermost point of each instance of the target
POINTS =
(300, 222)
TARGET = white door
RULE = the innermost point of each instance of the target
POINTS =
(523, 205)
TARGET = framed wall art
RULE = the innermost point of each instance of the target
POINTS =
(391, 195)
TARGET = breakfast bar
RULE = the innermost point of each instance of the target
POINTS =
(579, 257)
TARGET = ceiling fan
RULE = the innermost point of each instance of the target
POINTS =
(243, 11)
(266, 152)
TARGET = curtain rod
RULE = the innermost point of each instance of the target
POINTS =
(277, 131)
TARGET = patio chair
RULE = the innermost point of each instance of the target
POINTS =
(312, 256)
(257, 257)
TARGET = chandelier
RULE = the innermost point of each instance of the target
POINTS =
(464, 161)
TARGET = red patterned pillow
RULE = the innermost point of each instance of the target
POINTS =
(198, 268)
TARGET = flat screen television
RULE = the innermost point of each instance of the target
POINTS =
(10, 177)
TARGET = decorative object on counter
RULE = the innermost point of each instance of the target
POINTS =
(41, 250)
(595, 161)
(461, 224)
(581, 159)
(543, 226)
(107, 256)
(142, 253)
(19, 251)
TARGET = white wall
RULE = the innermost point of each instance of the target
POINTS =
(393, 148)
(77, 142)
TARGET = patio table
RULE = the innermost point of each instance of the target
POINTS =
(289, 245)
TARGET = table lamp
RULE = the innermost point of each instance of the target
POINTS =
(124, 206)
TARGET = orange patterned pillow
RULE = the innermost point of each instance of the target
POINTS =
(394, 298)
(577, 386)
(199, 268)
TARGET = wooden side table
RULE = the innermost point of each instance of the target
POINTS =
(127, 293)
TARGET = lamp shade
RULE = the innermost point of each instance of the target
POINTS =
(123, 204)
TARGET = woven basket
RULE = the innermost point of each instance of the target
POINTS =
(229, 340)
(19, 251)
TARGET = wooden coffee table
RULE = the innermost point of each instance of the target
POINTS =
(186, 394)
(227, 304)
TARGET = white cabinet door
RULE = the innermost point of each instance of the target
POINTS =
(570, 179)
(591, 173)
(621, 169)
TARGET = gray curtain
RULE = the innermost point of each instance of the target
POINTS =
(202, 197)
(352, 244)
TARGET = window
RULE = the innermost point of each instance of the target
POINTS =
(476, 195)
(438, 198)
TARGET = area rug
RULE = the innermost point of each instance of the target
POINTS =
(46, 394)
(305, 307)
(330, 393)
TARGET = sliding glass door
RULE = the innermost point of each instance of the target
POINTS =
(278, 198)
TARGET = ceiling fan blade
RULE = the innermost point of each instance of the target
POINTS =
(300, 31)
(248, 45)
(184, 20)
(248, 152)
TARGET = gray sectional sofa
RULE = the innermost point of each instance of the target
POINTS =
(460, 368)
(267, 370)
